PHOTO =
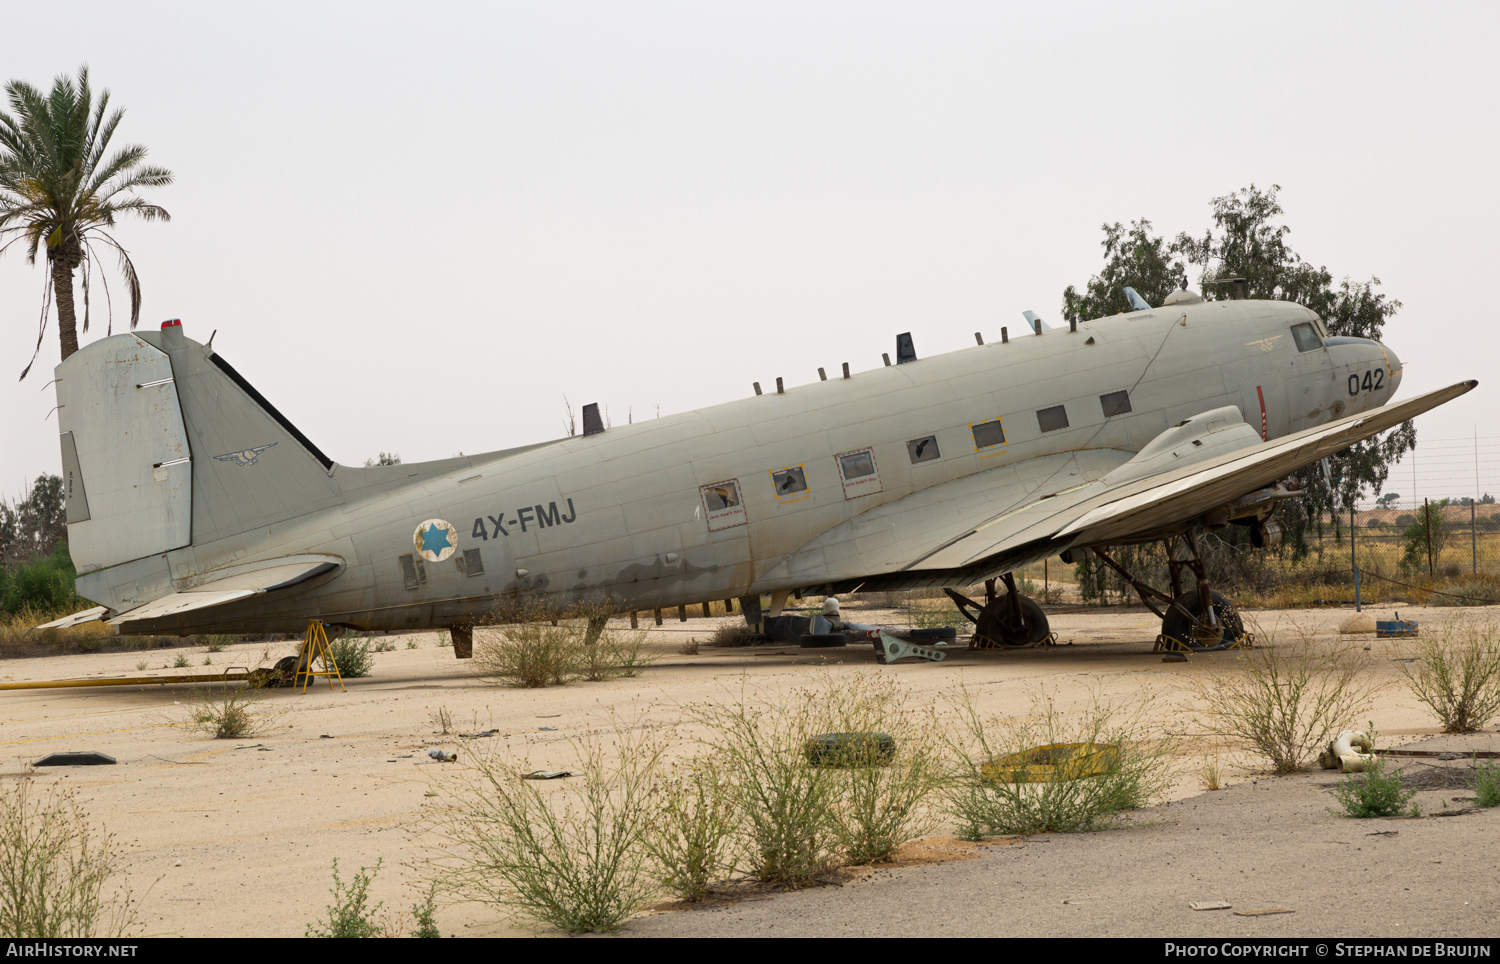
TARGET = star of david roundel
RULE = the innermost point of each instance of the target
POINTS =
(435, 540)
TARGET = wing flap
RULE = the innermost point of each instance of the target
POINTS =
(77, 619)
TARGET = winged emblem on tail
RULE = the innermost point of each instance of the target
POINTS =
(247, 457)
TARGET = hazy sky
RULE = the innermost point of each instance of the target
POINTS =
(416, 228)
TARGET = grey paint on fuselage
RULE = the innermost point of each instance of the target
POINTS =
(619, 516)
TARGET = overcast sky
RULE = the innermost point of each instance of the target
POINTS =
(416, 228)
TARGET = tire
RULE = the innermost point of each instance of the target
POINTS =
(850, 749)
(994, 625)
(1179, 627)
(822, 640)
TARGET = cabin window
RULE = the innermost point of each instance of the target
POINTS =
(923, 449)
(987, 434)
(1115, 403)
(722, 505)
(857, 470)
(1052, 419)
(790, 481)
(1307, 339)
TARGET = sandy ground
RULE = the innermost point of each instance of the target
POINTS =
(238, 838)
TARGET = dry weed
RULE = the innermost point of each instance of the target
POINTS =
(54, 868)
(695, 834)
(570, 855)
(1286, 700)
(1458, 675)
(225, 713)
(1118, 765)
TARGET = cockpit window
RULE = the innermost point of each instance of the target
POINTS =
(1307, 339)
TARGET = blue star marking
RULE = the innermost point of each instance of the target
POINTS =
(436, 540)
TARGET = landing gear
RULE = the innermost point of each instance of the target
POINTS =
(1185, 623)
(1195, 620)
(1011, 621)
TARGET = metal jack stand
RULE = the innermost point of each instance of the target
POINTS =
(315, 646)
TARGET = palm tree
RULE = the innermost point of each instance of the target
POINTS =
(58, 189)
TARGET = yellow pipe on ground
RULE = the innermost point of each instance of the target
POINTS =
(130, 681)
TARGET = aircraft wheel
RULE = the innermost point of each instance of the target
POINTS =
(822, 640)
(1179, 627)
(996, 628)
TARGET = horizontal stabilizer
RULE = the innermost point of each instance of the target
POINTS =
(77, 619)
(243, 581)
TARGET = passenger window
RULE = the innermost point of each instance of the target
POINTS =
(857, 469)
(1115, 403)
(1052, 419)
(1307, 339)
(790, 481)
(923, 449)
(987, 434)
(722, 502)
(856, 466)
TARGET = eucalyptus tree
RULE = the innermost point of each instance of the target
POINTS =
(62, 190)
(1248, 241)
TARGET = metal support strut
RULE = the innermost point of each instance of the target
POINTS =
(315, 646)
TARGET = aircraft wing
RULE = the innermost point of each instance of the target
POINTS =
(1118, 506)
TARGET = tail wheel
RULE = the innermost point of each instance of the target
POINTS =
(997, 627)
(1195, 632)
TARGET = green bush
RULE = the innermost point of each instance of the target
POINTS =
(352, 656)
(45, 585)
(1487, 784)
(1375, 793)
(350, 914)
(1458, 675)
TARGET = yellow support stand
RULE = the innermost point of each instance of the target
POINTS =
(315, 646)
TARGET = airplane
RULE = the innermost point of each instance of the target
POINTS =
(195, 506)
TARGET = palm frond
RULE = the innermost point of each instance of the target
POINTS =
(41, 328)
(132, 282)
(109, 304)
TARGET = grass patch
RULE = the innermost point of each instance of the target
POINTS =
(55, 868)
(1285, 701)
(1458, 675)
(1127, 771)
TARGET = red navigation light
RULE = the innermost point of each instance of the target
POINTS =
(172, 323)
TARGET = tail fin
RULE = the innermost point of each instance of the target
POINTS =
(165, 445)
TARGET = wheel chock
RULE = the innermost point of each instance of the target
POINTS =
(888, 649)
